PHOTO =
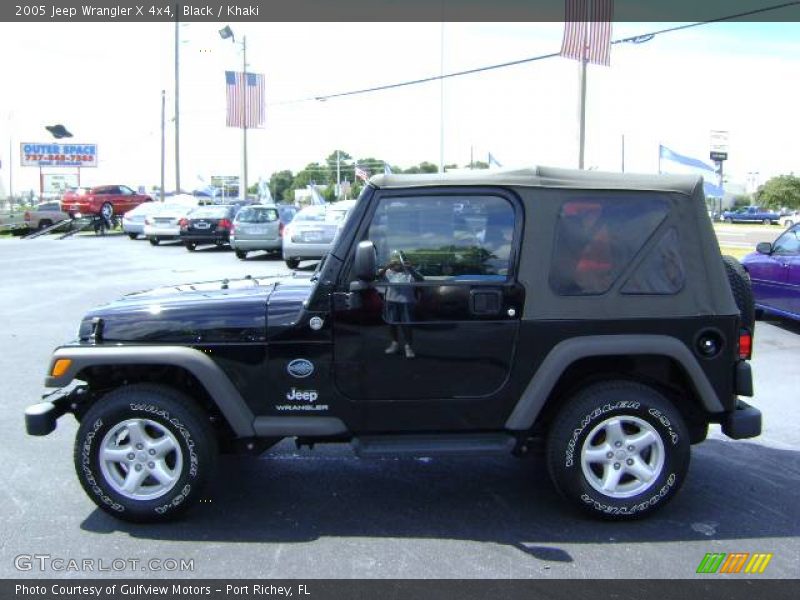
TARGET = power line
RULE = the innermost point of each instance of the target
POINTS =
(644, 37)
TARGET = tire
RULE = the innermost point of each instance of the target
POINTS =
(107, 211)
(241, 254)
(739, 281)
(154, 241)
(45, 223)
(766, 222)
(292, 263)
(580, 428)
(174, 433)
(788, 223)
(729, 221)
(133, 236)
(190, 246)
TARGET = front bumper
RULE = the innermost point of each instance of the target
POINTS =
(40, 419)
(742, 422)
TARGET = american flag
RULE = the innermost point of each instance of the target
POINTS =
(587, 31)
(362, 173)
(245, 103)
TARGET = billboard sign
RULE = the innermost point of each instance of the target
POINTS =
(53, 183)
(58, 155)
(718, 143)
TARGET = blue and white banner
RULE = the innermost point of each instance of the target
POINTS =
(678, 164)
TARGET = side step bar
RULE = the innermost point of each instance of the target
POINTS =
(433, 444)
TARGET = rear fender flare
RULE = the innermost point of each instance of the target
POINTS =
(567, 352)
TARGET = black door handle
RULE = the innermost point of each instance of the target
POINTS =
(485, 302)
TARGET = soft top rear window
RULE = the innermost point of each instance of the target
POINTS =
(596, 239)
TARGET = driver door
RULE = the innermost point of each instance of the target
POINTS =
(435, 333)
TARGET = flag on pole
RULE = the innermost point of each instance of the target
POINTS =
(493, 161)
(244, 95)
(587, 31)
(361, 173)
(387, 170)
(316, 197)
(670, 161)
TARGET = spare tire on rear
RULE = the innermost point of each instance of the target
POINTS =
(739, 281)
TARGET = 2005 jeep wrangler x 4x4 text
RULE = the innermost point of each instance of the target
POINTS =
(466, 314)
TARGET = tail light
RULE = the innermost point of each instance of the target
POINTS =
(224, 224)
(27, 216)
(184, 223)
(745, 344)
(280, 229)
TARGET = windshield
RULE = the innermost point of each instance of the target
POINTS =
(209, 212)
(255, 214)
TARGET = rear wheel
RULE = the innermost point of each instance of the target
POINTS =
(144, 452)
(618, 450)
(133, 236)
(292, 263)
(241, 254)
(154, 241)
(190, 246)
(45, 223)
(739, 281)
(107, 211)
(789, 223)
(729, 220)
(767, 222)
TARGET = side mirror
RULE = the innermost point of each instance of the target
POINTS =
(364, 261)
(764, 248)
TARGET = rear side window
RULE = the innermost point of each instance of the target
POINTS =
(597, 238)
(446, 237)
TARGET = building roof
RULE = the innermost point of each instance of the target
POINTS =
(546, 177)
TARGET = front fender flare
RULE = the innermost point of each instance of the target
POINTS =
(209, 374)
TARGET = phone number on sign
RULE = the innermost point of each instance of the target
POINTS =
(60, 157)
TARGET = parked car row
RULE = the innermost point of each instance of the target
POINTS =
(296, 235)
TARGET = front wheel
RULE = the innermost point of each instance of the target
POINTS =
(133, 236)
(190, 246)
(767, 222)
(729, 221)
(144, 452)
(618, 450)
(154, 241)
(241, 254)
(292, 263)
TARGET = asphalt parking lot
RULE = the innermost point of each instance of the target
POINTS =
(324, 513)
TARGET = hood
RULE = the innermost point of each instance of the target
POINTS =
(230, 311)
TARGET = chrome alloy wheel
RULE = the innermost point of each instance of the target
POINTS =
(622, 456)
(140, 459)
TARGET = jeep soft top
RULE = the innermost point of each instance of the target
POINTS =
(464, 313)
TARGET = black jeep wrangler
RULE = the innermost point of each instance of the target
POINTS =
(454, 314)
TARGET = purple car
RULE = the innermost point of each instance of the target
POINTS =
(775, 272)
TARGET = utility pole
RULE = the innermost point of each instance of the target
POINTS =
(441, 101)
(582, 127)
(243, 190)
(177, 106)
(623, 152)
(163, 144)
(338, 176)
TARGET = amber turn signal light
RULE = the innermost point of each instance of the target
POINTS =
(61, 366)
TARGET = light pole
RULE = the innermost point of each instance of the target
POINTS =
(177, 107)
(226, 33)
(163, 108)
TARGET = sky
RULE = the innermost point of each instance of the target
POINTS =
(104, 82)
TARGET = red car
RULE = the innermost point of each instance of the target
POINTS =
(105, 200)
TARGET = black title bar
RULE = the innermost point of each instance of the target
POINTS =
(65, 11)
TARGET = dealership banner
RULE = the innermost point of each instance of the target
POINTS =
(58, 155)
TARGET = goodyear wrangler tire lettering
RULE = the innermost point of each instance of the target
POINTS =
(171, 481)
(618, 450)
